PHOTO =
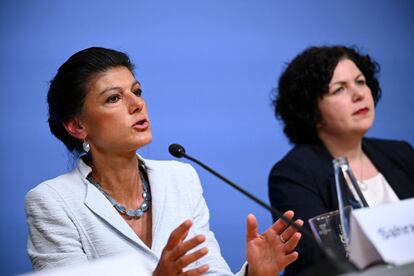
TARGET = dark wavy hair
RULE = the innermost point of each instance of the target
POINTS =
(306, 79)
(69, 87)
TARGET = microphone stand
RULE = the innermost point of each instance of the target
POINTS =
(338, 265)
(249, 195)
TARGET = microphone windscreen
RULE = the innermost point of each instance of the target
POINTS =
(176, 150)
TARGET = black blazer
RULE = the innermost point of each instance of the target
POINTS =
(303, 181)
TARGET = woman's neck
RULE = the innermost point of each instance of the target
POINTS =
(361, 165)
(118, 175)
(350, 147)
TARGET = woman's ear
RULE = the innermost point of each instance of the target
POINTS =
(75, 128)
(320, 122)
(319, 125)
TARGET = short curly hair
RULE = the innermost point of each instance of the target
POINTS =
(69, 87)
(306, 79)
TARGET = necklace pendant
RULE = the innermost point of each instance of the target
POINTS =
(363, 186)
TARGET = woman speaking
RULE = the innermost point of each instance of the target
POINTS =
(115, 201)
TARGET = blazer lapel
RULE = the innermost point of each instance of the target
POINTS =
(101, 206)
(328, 173)
(158, 194)
(391, 170)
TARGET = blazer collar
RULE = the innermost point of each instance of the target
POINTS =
(100, 205)
(385, 166)
(158, 196)
(326, 165)
(392, 171)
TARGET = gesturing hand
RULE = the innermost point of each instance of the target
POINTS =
(174, 258)
(272, 251)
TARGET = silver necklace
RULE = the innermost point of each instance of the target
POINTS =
(137, 213)
(363, 186)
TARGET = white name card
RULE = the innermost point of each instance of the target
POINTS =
(383, 233)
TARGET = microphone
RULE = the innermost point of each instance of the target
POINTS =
(337, 265)
(178, 151)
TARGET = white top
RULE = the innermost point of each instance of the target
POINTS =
(376, 191)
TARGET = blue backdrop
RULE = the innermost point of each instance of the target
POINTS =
(207, 70)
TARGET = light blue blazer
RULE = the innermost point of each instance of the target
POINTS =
(70, 221)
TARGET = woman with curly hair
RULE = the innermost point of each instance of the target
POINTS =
(326, 100)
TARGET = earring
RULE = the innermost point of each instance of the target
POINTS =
(86, 147)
